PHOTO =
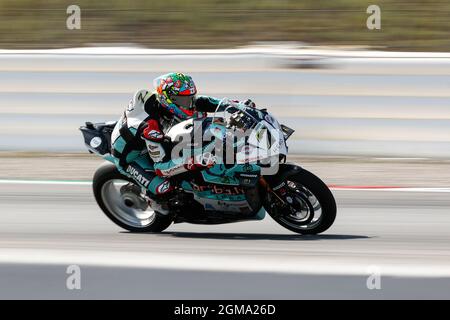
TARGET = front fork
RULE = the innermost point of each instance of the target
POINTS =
(279, 202)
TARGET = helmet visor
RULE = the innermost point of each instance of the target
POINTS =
(186, 102)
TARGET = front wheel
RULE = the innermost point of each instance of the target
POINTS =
(122, 201)
(301, 202)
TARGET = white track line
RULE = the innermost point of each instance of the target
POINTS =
(335, 188)
(47, 182)
(264, 49)
(219, 263)
(436, 190)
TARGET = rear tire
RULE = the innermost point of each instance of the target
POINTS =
(108, 172)
(323, 195)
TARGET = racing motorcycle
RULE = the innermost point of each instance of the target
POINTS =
(254, 181)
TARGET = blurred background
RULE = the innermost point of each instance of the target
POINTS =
(407, 24)
(349, 92)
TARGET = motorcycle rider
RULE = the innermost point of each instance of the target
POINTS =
(143, 124)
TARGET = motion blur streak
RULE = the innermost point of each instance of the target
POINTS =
(405, 235)
(349, 103)
(406, 25)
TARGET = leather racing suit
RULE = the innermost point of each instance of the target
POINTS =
(137, 141)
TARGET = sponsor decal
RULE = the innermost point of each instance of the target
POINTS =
(156, 135)
(137, 176)
(172, 171)
(142, 96)
(219, 190)
(130, 106)
(152, 147)
(249, 175)
(163, 187)
(95, 142)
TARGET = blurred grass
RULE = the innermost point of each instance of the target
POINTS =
(406, 24)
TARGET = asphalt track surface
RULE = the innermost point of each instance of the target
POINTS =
(403, 236)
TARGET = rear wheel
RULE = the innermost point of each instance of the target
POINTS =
(303, 204)
(122, 201)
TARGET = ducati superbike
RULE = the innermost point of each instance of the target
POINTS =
(255, 179)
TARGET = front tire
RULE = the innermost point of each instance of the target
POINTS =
(121, 210)
(312, 195)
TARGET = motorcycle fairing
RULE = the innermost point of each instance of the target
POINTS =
(219, 174)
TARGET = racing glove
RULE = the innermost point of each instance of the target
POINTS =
(153, 137)
(250, 103)
(200, 162)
